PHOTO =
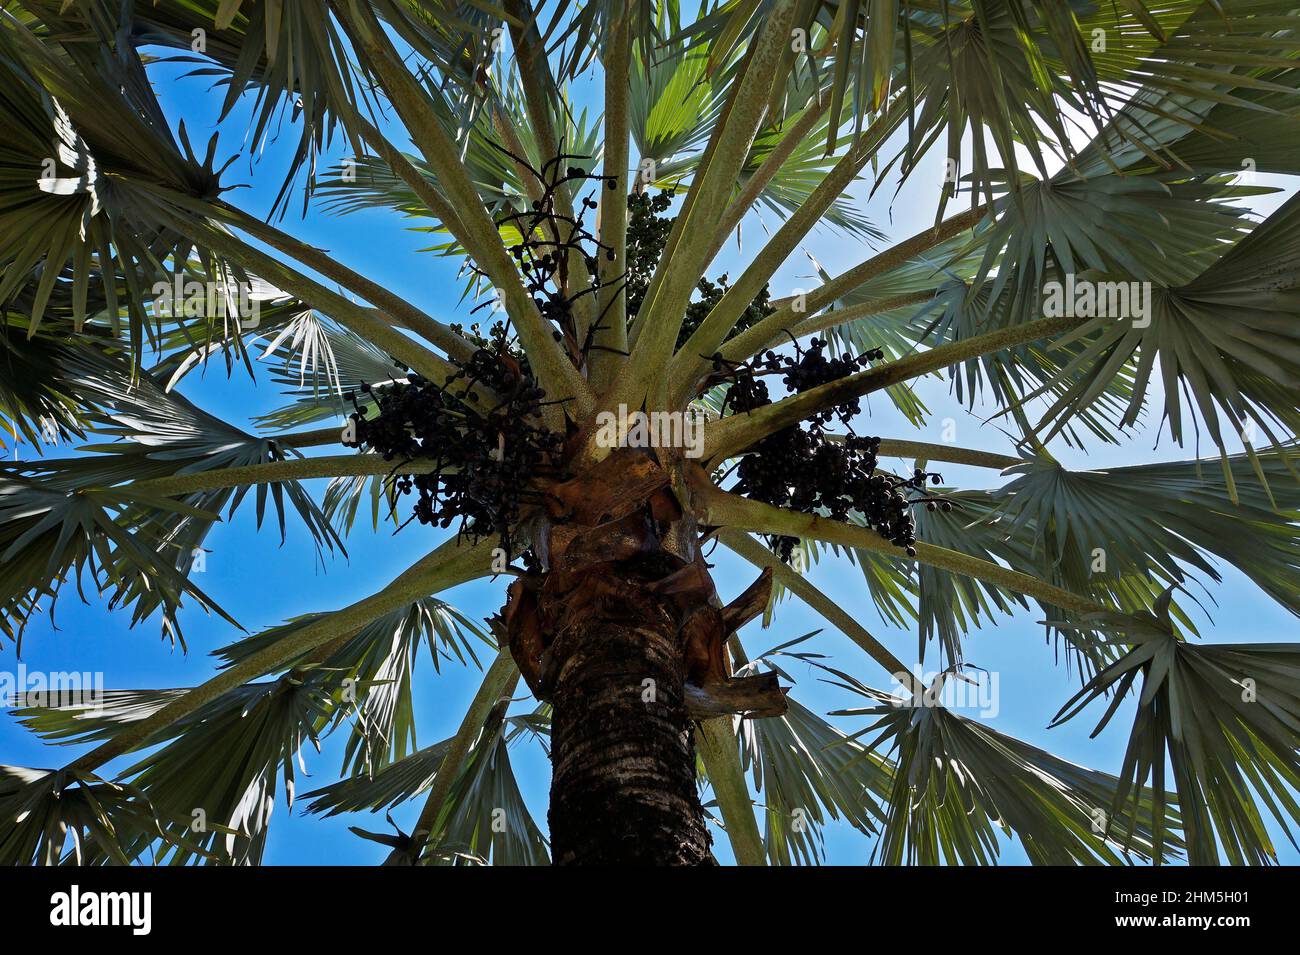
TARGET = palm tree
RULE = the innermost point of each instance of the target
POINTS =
(1131, 281)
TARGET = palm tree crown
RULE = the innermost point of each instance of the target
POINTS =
(1093, 260)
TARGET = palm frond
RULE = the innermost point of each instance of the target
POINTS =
(150, 549)
(321, 362)
(960, 787)
(673, 105)
(71, 218)
(47, 812)
(485, 819)
(222, 772)
(1223, 721)
(385, 788)
(214, 782)
(377, 667)
(1156, 520)
(1224, 339)
(290, 56)
(806, 772)
(48, 536)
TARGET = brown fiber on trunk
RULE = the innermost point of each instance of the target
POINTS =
(624, 634)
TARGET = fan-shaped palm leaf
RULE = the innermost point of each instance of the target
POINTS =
(44, 810)
(1224, 338)
(1223, 721)
(805, 772)
(377, 665)
(958, 785)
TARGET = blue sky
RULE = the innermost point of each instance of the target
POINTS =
(261, 582)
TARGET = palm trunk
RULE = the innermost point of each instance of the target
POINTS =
(621, 622)
(623, 790)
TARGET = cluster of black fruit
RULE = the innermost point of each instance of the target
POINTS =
(647, 234)
(482, 432)
(481, 429)
(810, 470)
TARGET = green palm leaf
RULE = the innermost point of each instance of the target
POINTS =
(226, 766)
(759, 105)
(1225, 338)
(153, 540)
(385, 788)
(806, 772)
(1154, 520)
(377, 664)
(959, 786)
(213, 786)
(290, 56)
(321, 362)
(48, 536)
(47, 812)
(1223, 722)
(673, 100)
(70, 216)
(485, 818)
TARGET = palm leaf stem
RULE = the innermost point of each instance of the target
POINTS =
(364, 321)
(679, 270)
(723, 316)
(722, 509)
(762, 177)
(758, 555)
(540, 91)
(756, 338)
(498, 684)
(271, 472)
(851, 313)
(715, 741)
(399, 308)
(610, 336)
(554, 371)
(727, 436)
(449, 564)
